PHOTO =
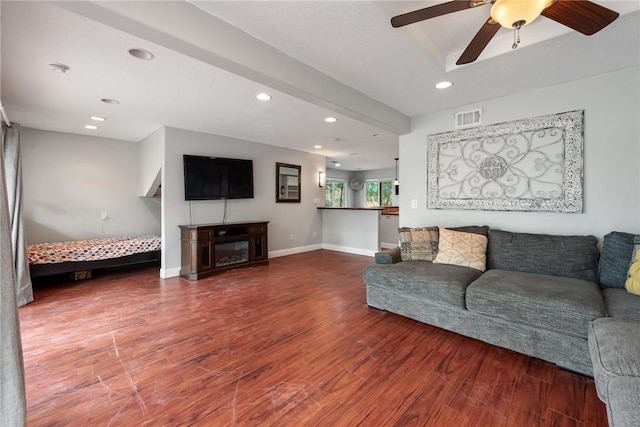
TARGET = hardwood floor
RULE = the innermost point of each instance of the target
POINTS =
(288, 344)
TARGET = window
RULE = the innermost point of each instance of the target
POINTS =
(378, 193)
(334, 193)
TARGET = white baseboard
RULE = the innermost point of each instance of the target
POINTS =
(165, 273)
(293, 251)
(356, 251)
(388, 245)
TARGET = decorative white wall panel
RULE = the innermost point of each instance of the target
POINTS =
(534, 164)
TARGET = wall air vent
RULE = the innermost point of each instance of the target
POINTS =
(468, 118)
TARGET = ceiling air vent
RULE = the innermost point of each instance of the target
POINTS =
(468, 118)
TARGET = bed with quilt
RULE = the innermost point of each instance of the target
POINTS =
(68, 257)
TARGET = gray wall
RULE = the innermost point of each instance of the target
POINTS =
(300, 220)
(387, 174)
(346, 176)
(355, 199)
(611, 155)
(69, 180)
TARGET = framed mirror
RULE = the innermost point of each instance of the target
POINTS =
(287, 183)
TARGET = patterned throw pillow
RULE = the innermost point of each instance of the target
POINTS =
(418, 244)
(633, 280)
(465, 249)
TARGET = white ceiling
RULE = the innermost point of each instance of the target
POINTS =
(316, 58)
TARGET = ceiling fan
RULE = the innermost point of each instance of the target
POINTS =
(581, 15)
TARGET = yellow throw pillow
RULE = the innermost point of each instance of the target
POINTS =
(465, 249)
(633, 281)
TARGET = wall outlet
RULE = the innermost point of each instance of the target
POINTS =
(104, 216)
(290, 236)
(315, 234)
(414, 204)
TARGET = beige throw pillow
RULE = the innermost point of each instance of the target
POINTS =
(465, 249)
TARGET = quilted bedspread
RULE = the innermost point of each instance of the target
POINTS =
(91, 250)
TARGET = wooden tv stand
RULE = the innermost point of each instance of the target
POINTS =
(212, 248)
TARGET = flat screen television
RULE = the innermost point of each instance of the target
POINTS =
(216, 178)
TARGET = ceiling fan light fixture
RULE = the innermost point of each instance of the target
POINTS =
(517, 13)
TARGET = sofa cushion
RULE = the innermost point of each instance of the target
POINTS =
(440, 283)
(623, 406)
(617, 248)
(418, 244)
(614, 346)
(475, 229)
(465, 249)
(565, 256)
(559, 304)
(622, 304)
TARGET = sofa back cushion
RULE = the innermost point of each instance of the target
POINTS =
(475, 229)
(565, 256)
(617, 248)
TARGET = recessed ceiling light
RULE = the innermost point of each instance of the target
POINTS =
(110, 101)
(97, 118)
(92, 127)
(337, 164)
(443, 85)
(338, 140)
(58, 68)
(330, 120)
(317, 146)
(141, 54)
(263, 97)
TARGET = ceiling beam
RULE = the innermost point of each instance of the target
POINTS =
(184, 28)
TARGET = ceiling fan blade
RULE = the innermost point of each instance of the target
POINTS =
(430, 12)
(479, 42)
(581, 15)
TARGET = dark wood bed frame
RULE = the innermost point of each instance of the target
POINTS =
(39, 270)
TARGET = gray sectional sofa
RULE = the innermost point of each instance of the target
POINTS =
(541, 295)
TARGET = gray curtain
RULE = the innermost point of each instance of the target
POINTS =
(12, 390)
(13, 178)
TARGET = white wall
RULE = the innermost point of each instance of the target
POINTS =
(151, 155)
(389, 236)
(611, 153)
(351, 230)
(69, 180)
(298, 219)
